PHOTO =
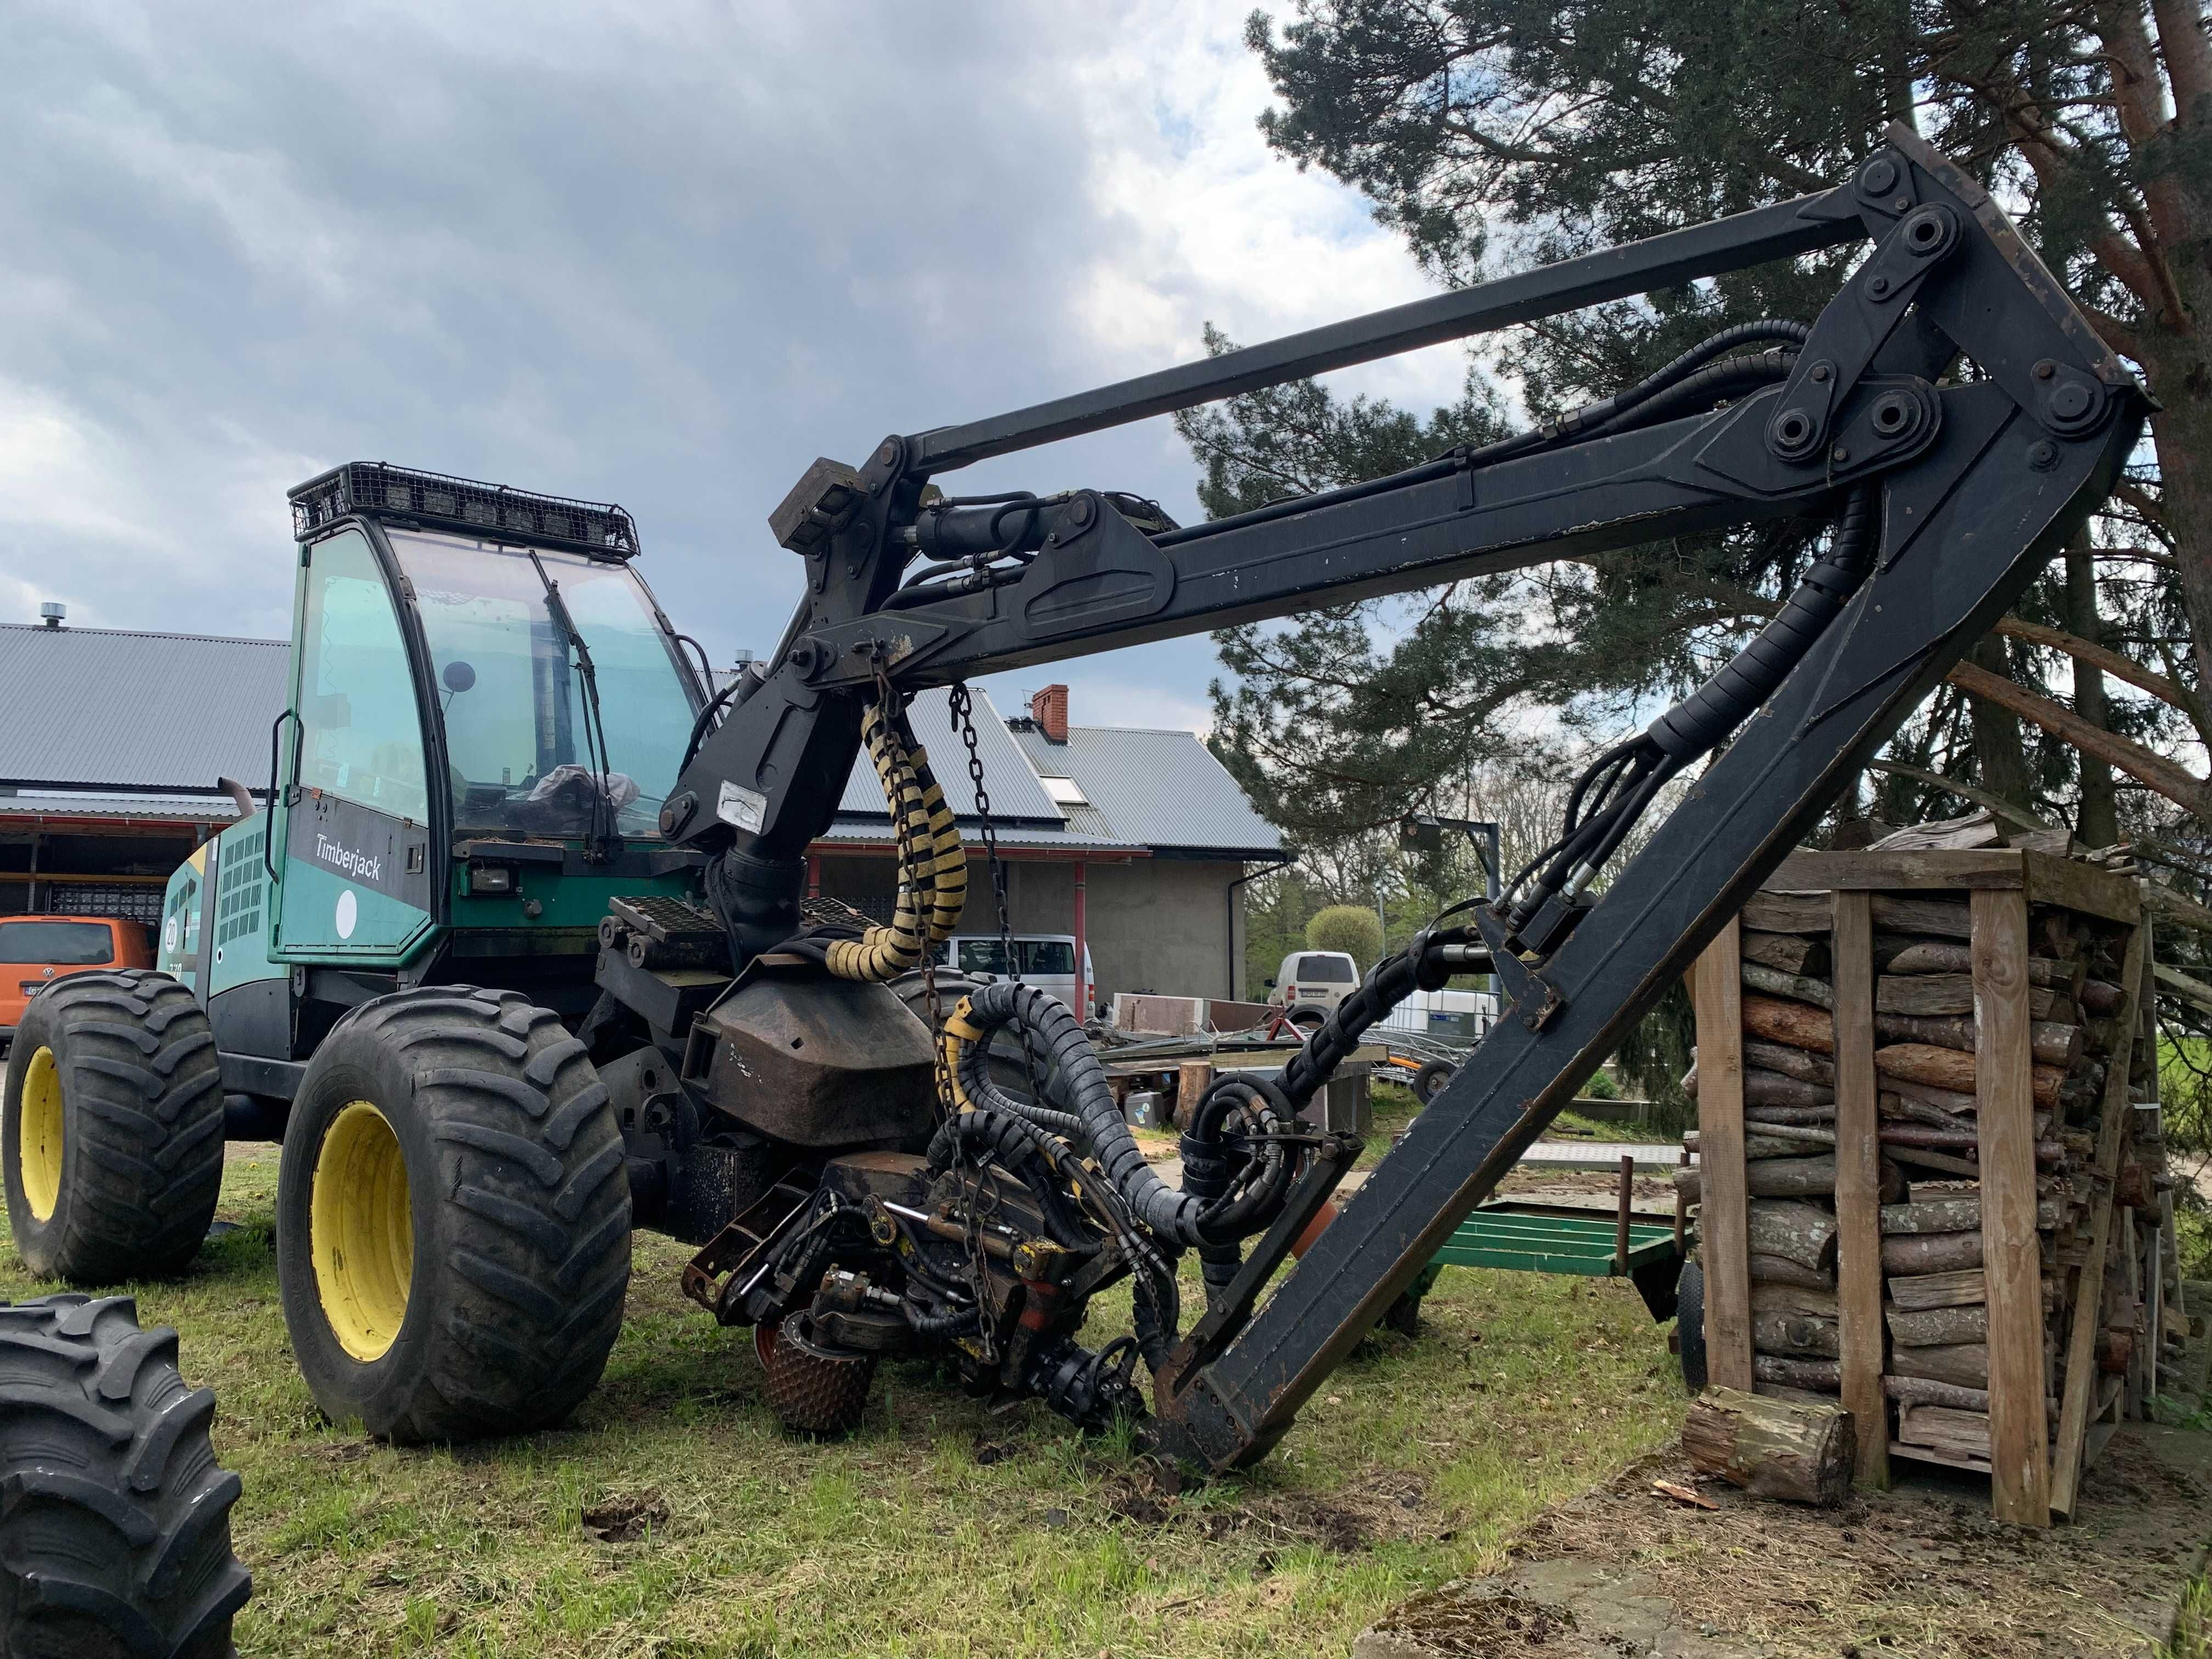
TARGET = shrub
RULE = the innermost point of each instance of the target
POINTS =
(1350, 928)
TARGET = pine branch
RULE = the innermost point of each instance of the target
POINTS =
(2112, 663)
(1965, 791)
(2152, 771)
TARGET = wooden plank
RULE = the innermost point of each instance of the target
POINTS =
(1724, 1200)
(1858, 1188)
(2077, 1406)
(1929, 1454)
(1622, 1245)
(2020, 1452)
(1923, 1291)
(2078, 886)
(1983, 868)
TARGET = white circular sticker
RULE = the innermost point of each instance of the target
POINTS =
(348, 913)
(169, 934)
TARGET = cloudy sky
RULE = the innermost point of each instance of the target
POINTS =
(664, 255)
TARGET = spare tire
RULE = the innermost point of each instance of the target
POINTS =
(114, 1516)
(1431, 1078)
(1690, 1325)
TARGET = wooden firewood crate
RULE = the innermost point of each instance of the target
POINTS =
(1929, 1168)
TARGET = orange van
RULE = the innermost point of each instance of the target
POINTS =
(36, 951)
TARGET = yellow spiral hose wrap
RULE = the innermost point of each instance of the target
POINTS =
(932, 863)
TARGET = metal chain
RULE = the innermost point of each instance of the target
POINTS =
(889, 701)
(961, 703)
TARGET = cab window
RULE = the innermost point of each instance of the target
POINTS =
(361, 737)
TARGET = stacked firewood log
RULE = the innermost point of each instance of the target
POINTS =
(1936, 1366)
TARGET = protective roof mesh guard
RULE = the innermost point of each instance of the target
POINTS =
(380, 490)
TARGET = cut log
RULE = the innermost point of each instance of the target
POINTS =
(1802, 1117)
(1779, 1270)
(1821, 1375)
(1790, 1063)
(1788, 912)
(1941, 917)
(1935, 994)
(1792, 953)
(1942, 957)
(1949, 1101)
(1789, 1177)
(1925, 1391)
(1764, 1088)
(1774, 1448)
(1794, 1024)
(2054, 1042)
(1946, 1069)
(2100, 997)
(1940, 1428)
(1915, 1291)
(1778, 1139)
(1936, 1327)
(1803, 1233)
(1954, 1215)
(1932, 1253)
(1794, 1321)
(1769, 982)
(2116, 1348)
(1908, 1108)
(1966, 1366)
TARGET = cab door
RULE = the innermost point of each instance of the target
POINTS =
(357, 881)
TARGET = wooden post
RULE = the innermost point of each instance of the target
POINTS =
(1192, 1079)
(2078, 1405)
(1620, 1222)
(1860, 1329)
(2020, 1452)
(1724, 1203)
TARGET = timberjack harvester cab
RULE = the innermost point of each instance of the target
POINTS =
(518, 954)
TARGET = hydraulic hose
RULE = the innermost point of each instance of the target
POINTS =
(932, 863)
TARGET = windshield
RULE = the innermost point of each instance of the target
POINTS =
(64, 944)
(513, 701)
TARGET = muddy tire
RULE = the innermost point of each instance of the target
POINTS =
(452, 1217)
(111, 1128)
(114, 1516)
(1690, 1325)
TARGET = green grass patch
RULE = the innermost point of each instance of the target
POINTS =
(939, 1528)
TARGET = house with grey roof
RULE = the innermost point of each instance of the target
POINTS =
(1137, 841)
(112, 755)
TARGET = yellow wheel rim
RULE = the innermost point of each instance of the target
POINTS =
(38, 1135)
(360, 1227)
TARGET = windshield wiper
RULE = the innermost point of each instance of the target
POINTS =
(601, 842)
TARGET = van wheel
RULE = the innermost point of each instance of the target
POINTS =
(111, 1128)
(1306, 1019)
(114, 1516)
(452, 1217)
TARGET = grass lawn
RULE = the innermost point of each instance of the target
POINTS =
(939, 1528)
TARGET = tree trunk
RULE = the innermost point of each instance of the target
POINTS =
(1822, 1375)
(2098, 819)
(1999, 752)
(2178, 366)
(1775, 1448)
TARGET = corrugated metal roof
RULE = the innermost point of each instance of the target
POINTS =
(876, 831)
(98, 707)
(58, 804)
(1013, 788)
(1162, 789)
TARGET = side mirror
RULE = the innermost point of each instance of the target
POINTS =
(1268, 983)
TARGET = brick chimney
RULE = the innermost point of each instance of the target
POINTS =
(1049, 708)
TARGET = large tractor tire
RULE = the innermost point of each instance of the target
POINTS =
(111, 1131)
(452, 1217)
(114, 1516)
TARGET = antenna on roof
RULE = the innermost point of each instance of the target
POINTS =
(52, 613)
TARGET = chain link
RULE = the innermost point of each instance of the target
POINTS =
(960, 704)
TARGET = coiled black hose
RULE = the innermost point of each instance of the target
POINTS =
(1726, 700)
(986, 1137)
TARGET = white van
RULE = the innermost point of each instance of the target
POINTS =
(1046, 960)
(1310, 983)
